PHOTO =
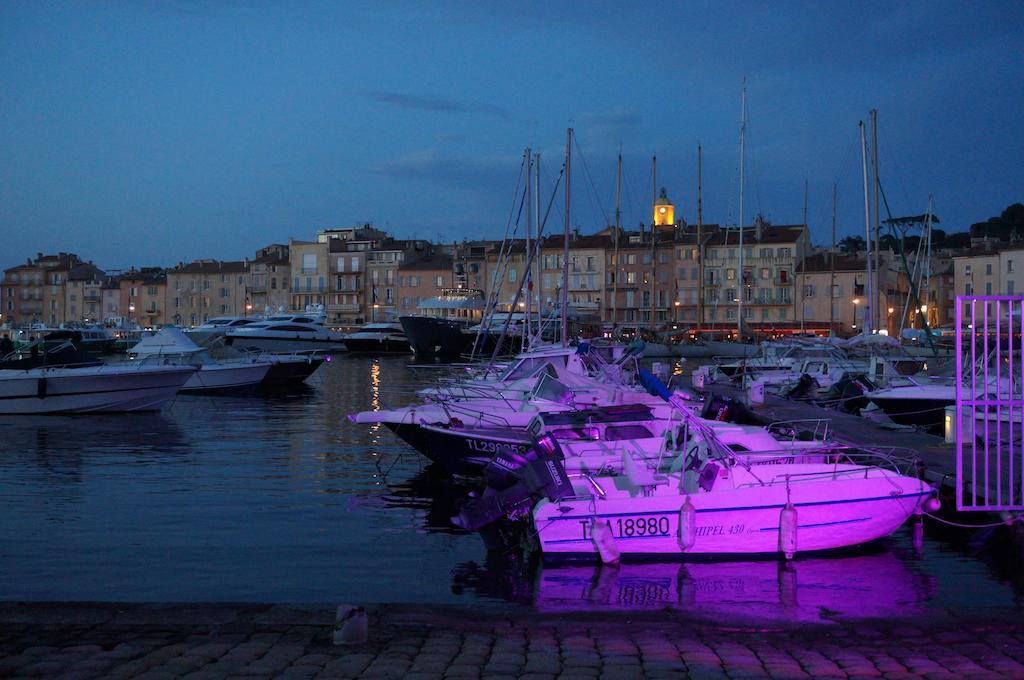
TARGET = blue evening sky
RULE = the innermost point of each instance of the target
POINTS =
(148, 132)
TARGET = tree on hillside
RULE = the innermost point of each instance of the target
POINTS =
(851, 244)
(1009, 226)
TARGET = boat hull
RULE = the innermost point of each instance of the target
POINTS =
(929, 413)
(291, 372)
(430, 336)
(377, 346)
(465, 452)
(90, 390)
(285, 345)
(213, 378)
(737, 521)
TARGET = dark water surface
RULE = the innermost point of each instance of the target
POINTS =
(283, 500)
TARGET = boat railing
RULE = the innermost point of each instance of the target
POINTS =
(589, 479)
(448, 394)
(453, 411)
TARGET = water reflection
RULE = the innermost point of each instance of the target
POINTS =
(879, 584)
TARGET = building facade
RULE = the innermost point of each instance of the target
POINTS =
(202, 289)
(269, 280)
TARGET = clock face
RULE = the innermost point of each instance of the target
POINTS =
(661, 210)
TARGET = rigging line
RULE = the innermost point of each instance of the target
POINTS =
(522, 282)
(896, 173)
(586, 171)
(497, 271)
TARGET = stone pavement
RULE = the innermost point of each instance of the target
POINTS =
(426, 641)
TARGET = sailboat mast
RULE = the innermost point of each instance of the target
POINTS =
(540, 250)
(832, 282)
(654, 264)
(743, 133)
(565, 244)
(803, 306)
(528, 199)
(876, 305)
(700, 245)
(615, 257)
(867, 234)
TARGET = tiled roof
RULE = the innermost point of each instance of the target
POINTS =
(822, 262)
(212, 267)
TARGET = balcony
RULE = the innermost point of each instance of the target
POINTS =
(345, 308)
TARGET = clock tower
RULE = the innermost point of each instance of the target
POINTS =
(664, 211)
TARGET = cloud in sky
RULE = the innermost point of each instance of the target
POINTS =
(437, 104)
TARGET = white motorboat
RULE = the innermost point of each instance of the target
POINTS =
(286, 333)
(916, 402)
(709, 501)
(378, 338)
(216, 327)
(60, 382)
(171, 346)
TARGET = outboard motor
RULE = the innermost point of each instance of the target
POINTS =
(848, 393)
(731, 411)
(802, 388)
(515, 482)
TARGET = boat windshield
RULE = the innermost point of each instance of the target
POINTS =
(528, 366)
(614, 433)
(552, 389)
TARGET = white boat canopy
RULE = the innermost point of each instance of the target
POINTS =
(168, 340)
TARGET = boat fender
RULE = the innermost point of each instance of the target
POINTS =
(601, 535)
(41, 388)
(787, 528)
(933, 504)
(687, 532)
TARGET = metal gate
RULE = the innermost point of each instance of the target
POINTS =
(989, 406)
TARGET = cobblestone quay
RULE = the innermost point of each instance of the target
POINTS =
(424, 641)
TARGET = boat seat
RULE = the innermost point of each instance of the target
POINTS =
(639, 474)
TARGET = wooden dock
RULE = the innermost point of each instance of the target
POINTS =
(938, 456)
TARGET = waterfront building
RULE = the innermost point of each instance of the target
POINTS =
(586, 273)
(34, 292)
(771, 254)
(83, 295)
(421, 279)
(110, 294)
(309, 267)
(846, 308)
(144, 298)
(202, 289)
(331, 271)
(503, 272)
(382, 272)
(989, 268)
(269, 275)
(688, 249)
(640, 282)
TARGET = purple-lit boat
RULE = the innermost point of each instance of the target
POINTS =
(706, 499)
(837, 505)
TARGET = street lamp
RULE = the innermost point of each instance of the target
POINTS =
(375, 308)
(856, 301)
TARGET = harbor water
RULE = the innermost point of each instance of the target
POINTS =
(282, 499)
